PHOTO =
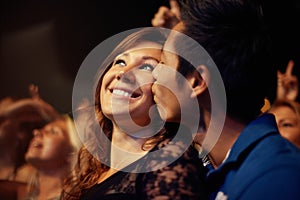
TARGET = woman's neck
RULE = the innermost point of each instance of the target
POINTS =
(125, 150)
(49, 186)
(127, 142)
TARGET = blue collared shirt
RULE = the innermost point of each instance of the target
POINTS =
(261, 165)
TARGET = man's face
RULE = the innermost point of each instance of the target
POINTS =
(171, 90)
(179, 98)
(165, 75)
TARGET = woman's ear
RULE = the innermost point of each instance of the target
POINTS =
(199, 80)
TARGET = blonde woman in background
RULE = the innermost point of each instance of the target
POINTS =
(51, 152)
(287, 114)
(18, 118)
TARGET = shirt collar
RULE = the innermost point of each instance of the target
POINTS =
(254, 131)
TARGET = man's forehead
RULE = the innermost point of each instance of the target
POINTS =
(174, 37)
(170, 59)
(169, 45)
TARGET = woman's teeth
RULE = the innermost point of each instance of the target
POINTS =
(121, 93)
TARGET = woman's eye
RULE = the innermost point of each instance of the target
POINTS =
(147, 67)
(120, 62)
(51, 131)
(287, 124)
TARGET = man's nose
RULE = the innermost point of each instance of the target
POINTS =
(156, 71)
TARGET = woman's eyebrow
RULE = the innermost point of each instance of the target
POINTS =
(150, 58)
(143, 57)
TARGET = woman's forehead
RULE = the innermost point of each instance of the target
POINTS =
(145, 45)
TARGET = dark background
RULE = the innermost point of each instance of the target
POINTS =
(44, 42)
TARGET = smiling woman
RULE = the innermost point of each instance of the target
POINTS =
(127, 146)
(127, 84)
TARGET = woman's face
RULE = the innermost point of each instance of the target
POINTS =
(126, 87)
(50, 145)
(288, 123)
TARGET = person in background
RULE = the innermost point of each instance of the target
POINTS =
(52, 152)
(127, 156)
(287, 114)
(286, 108)
(167, 17)
(287, 87)
(287, 83)
(250, 159)
(18, 118)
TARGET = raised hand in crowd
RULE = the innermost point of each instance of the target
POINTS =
(287, 83)
(167, 17)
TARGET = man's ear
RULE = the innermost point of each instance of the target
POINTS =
(199, 80)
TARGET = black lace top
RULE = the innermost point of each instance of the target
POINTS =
(182, 179)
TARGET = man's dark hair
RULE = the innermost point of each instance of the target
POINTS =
(234, 34)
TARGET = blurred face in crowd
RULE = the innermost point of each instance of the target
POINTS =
(19, 118)
(288, 123)
(16, 131)
(50, 146)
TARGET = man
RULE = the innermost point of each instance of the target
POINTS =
(250, 158)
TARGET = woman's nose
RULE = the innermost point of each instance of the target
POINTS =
(126, 76)
(37, 133)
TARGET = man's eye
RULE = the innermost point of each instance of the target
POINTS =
(120, 62)
(147, 67)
